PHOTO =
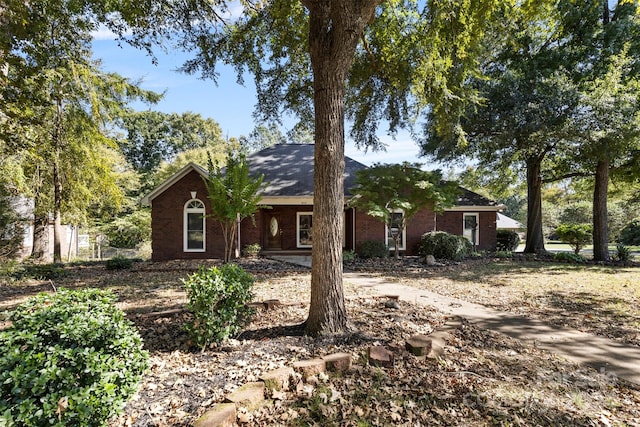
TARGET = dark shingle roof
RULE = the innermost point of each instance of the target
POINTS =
(469, 198)
(288, 169)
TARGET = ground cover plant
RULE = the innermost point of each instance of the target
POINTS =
(484, 377)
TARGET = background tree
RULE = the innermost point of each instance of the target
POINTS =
(52, 74)
(262, 136)
(385, 189)
(233, 195)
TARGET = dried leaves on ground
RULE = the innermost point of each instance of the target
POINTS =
(483, 378)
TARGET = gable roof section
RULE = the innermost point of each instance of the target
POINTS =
(469, 200)
(146, 200)
(288, 170)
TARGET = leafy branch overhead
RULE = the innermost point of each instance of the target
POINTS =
(233, 196)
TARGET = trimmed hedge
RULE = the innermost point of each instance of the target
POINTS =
(69, 359)
(443, 245)
(630, 234)
(373, 249)
(507, 240)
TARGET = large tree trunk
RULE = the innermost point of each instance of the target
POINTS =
(40, 246)
(57, 185)
(334, 30)
(535, 237)
(600, 217)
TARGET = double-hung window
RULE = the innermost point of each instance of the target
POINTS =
(304, 232)
(396, 231)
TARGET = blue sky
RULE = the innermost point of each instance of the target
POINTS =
(229, 104)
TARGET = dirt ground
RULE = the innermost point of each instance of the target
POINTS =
(483, 378)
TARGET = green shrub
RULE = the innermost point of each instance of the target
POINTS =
(443, 245)
(348, 256)
(570, 257)
(129, 231)
(373, 249)
(576, 235)
(630, 234)
(623, 253)
(507, 240)
(252, 250)
(218, 299)
(503, 254)
(39, 271)
(118, 263)
(69, 359)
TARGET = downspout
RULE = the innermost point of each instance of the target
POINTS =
(354, 230)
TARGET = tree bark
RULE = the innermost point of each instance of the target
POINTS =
(535, 237)
(600, 217)
(334, 30)
(57, 184)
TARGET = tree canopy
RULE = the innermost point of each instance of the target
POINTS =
(385, 189)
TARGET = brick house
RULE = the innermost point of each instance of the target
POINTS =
(181, 229)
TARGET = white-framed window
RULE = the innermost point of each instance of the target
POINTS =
(194, 226)
(396, 225)
(304, 229)
(471, 226)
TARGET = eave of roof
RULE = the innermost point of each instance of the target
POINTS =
(146, 200)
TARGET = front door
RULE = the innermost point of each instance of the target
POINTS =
(273, 233)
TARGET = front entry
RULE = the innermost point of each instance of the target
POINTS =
(273, 233)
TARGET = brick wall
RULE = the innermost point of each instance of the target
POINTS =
(167, 222)
(451, 222)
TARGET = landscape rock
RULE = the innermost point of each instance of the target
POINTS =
(338, 362)
(310, 367)
(380, 356)
(277, 379)
(221, 415)
(249, 394)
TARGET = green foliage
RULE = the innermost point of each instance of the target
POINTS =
(69, 359)
(252, 250)
(118, 263)
(630, 234)
(373, 249)
(11, 226)
(233, 194)
(443, 245)
(503, 254)
(39, 271)
(218, 299)
(507, 240)
(348, 256)
(576, 213)
(569, 257)
(576, 235)
(623, 253)
(129, 231)
(384, 189)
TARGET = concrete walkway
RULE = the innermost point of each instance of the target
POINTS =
(607, 356)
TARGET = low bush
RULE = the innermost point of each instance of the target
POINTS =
(252, 250)
(39, 271)
(118, 263)
(69, 359)
(218, 298)
(630, 234)
(373, 249)
(569, 257)
(576, 235)
(623, 253)
(348, 256)
(507, 240)
(503, 254)
(443, 245)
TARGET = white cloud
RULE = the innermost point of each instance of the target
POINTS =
(103, 33)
